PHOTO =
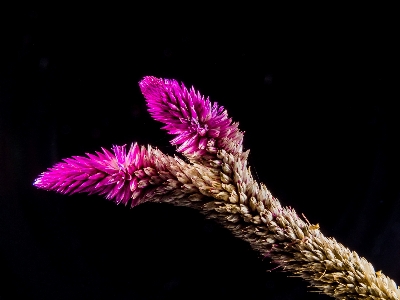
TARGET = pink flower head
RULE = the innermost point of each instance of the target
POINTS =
(200, 126)
(119, 176)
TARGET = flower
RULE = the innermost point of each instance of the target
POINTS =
(200, 126)
(120, 176)
(233, 197)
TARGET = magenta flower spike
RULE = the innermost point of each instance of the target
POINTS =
(200, 126)
(218, 182)
(120, 176)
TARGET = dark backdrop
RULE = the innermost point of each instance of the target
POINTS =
(315, 90)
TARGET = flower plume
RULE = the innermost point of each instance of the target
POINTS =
(120, 176)
(221, 186)
(200, 126)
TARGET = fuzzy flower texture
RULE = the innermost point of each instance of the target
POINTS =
(216, 180)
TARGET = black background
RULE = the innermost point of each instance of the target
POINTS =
(314, 88)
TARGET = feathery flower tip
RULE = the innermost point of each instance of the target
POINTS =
(198, 124)
(119, 176)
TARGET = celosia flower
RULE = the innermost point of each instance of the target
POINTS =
(232, 195)
(200, 126)
(119, 176)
